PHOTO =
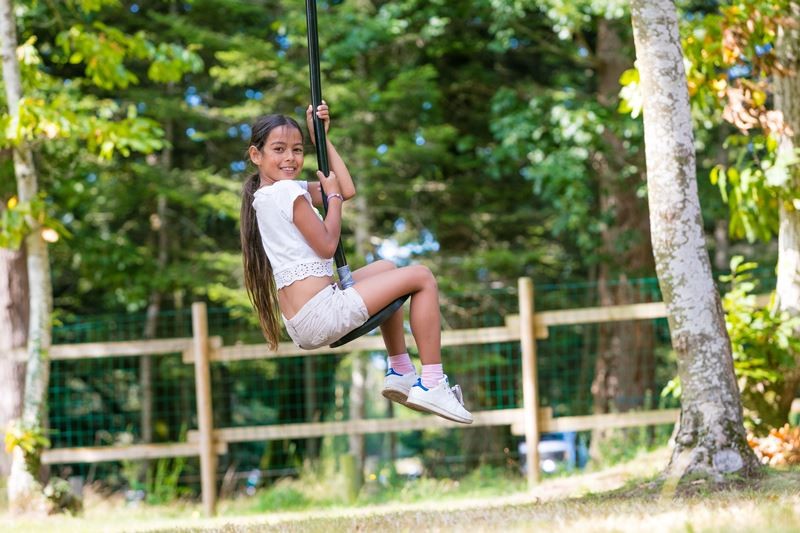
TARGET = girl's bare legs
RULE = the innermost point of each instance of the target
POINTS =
(382, 288)
(392, 328)
(433, 395)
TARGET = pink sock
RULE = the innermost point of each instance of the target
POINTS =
(431, 375)
(401, 363)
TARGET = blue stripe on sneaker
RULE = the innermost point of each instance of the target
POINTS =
(392, 372)
(420, 385)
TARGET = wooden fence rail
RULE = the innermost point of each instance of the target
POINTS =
(208, 442)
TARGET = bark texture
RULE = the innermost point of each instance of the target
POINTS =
(13, 336)
(24, 490)
(711, 439)
(624, 369)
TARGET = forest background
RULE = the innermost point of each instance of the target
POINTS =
(486, 138)
(489, 139)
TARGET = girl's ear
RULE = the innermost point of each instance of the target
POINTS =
(255, 154)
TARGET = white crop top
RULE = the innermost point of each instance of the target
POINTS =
(289, 253)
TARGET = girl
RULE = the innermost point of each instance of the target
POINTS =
(288, 268)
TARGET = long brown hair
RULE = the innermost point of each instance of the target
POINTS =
(258, 279)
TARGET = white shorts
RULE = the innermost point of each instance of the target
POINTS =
(327, 317)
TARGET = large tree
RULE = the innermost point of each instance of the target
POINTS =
(13, 336)
(55, 108)
(13, 308)
(24, 491)
(711, 439)
(738, 55)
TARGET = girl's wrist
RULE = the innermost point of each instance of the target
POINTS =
(335, 195)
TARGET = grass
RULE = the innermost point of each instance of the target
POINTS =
(324, 491)
(625, 497)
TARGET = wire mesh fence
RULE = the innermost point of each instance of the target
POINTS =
(582, 369)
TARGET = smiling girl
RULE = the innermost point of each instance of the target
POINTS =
(288, 247)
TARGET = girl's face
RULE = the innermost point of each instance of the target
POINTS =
(281, 158)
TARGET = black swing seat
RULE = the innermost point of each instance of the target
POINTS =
(373, 322)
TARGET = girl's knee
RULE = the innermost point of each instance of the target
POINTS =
(425, 275)
(384, 265)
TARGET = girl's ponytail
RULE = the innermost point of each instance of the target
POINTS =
(258, 278)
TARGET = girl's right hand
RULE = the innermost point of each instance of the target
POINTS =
(330, 185)
(325, 116)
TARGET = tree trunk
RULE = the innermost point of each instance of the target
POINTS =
(624, 370)
(158, 223)
(358, 385)
(787, 101)
(151, 323)
(24, 491)
(357, 411)
(13, 335)
(711, 439)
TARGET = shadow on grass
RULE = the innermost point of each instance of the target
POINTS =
(770, 503)
(624, 498)
(638, 503)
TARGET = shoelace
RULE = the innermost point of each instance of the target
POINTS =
(456, 390)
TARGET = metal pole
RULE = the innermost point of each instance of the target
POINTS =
(319, 130)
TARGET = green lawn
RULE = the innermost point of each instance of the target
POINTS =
(620, 498)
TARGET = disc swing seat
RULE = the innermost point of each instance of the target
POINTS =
(342, 268)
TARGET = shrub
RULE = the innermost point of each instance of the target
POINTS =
(764, 346)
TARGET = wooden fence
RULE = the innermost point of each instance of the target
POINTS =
(208, 442)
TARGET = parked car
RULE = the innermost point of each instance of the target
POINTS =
(556, 451)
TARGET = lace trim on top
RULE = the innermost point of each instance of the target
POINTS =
(317, 269)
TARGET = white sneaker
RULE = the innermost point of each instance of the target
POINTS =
(440, 400)
(396, 386)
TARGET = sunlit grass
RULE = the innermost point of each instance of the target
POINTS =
(626, 497)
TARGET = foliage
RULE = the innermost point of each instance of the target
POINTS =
(622, 445)
(104, 50)
(283, 496)
(162, 485)
(52, 110)
(14, 224)
(162, 479)
(439, 111)
(781, 447)
(60, 497)
(730, 52)
(30, 439)
(763, 343)
(745, 186)
(315, 491)
(731, 58)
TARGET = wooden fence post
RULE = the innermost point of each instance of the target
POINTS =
(530, 386)
(205, 420)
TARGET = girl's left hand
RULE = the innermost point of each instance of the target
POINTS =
(323, 113)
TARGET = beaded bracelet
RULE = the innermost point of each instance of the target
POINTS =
(335, 195)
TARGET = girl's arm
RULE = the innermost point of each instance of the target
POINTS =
(321, 234)
(337, 165)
